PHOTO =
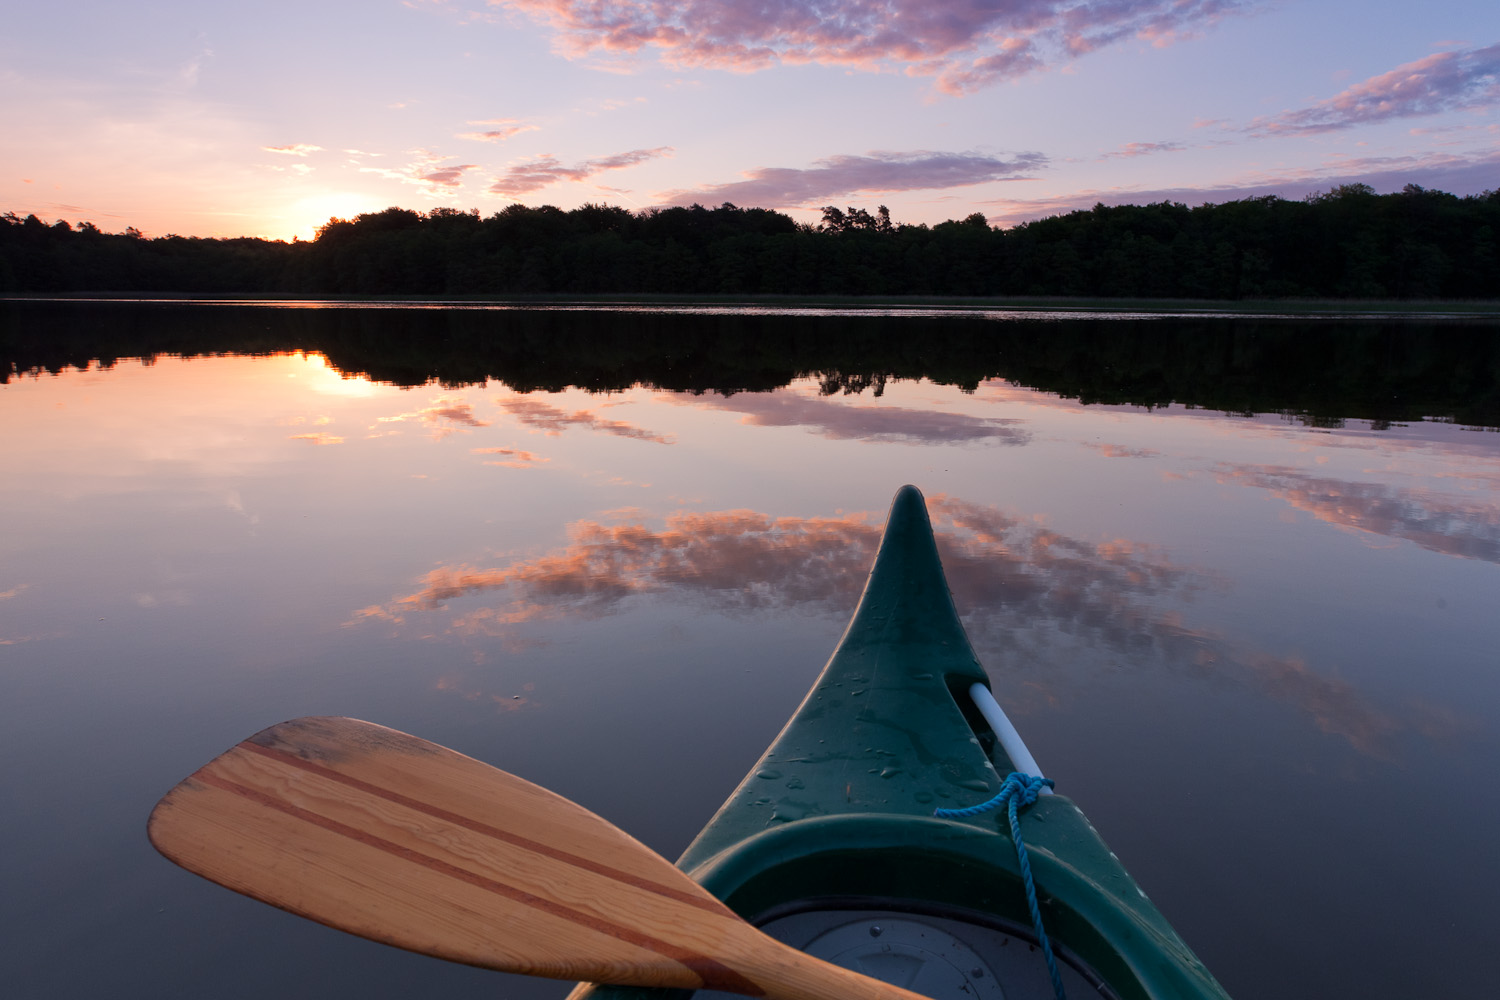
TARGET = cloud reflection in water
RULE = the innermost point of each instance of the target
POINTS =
(1469, 529)
(1023, 588)
(553, 420)
(445, 416)
(842, 421)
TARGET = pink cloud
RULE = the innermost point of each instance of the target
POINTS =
(873, 173)
(447, 176)
(508, 128)
(444, 416)
(511, 458)
(541, 171)
(1133, 149)
(1122, 451)
(296, 149)
(1020, 583)
(428, 171)
(964, 45)
(1444, 81)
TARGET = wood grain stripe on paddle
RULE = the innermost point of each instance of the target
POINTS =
(714, 974)
(702, 902)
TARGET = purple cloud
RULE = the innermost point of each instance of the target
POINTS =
(540, 171)
(1444, 81)
(842, 421)
(778, 187)
(1464, 527)
(963, 44)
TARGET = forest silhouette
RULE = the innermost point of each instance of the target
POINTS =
(1346, 243)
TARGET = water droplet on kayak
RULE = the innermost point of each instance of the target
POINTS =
(795, 783)
(923, 797)
(768, 773)
(875, 930)
(788, 811)
(921, 677)
(890, 772)
(978, 784)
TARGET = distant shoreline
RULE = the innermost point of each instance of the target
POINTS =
(1228, 308)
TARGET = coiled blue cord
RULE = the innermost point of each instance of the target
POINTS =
(1018, 792)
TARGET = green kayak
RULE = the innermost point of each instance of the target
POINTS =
(830, 843)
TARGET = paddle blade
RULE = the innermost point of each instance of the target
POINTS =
(402, 841)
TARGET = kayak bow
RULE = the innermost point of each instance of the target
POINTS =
(830, 843)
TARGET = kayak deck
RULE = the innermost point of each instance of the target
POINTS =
(830, 843)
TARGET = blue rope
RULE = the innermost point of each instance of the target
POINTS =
(1018, 792)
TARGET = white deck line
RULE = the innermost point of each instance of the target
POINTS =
(1010, 740)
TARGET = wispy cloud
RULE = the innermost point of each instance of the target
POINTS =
(843, 421)
(963, 46)
(297, 149)
(505, 128)
(511, 458)
(1133, 149)
(429, 171)
(1444, 81)
(541, 171)
(1121, 451)
(444, 416)
(553, 420)
(318, 437)
(875, 172)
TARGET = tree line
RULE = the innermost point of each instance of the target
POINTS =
(1348, 242)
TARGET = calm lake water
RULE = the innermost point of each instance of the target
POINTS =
(1258, 648)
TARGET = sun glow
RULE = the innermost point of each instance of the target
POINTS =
(306, 215)
(319, 376)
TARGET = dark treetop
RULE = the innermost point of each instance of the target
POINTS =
(1347, 243)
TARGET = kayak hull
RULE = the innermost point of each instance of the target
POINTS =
(831, 835)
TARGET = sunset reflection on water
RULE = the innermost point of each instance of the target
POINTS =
(624, 594)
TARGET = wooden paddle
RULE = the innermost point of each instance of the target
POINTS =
(402, 841)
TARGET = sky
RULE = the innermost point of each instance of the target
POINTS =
(268, 119)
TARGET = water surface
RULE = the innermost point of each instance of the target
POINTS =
(1256, 647)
